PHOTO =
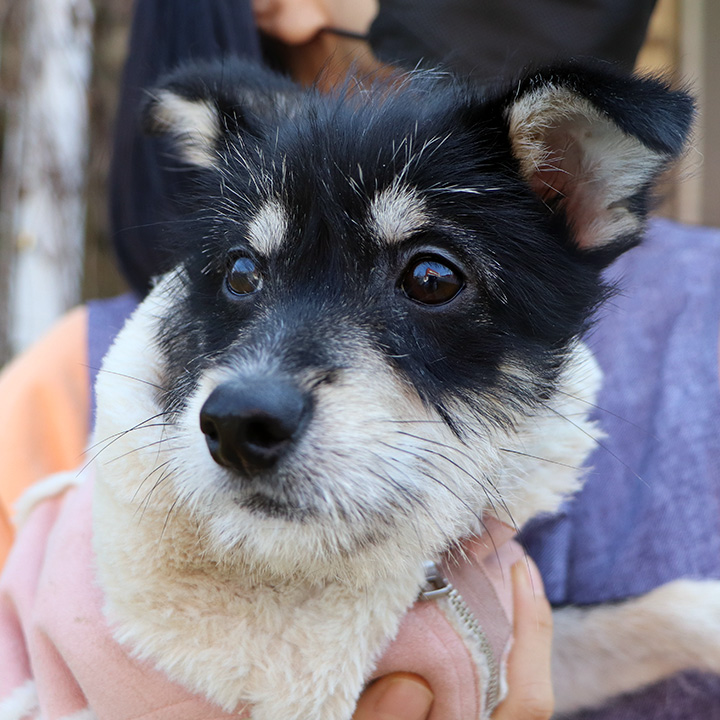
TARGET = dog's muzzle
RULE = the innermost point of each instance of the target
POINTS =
(250, 424)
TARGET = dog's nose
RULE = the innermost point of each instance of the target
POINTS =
(249, 426)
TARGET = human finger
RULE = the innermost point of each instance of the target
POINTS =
(530, 694)
(400, 696)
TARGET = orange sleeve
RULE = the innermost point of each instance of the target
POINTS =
(44, 413)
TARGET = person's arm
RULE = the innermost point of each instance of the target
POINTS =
(43, 414)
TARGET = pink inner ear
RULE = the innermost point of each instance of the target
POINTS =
(580, 162)
(566, 180)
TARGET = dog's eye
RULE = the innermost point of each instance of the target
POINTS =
(243, 277)
(431, 282)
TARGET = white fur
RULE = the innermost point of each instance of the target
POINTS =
(86, 714)
(605, 651)
(21, 704)
(195, 124)
(542, 460)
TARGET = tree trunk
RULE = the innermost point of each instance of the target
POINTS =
(45, 155)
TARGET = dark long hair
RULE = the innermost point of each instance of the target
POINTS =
(143, 176)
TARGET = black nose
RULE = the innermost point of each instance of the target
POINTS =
(250, 425)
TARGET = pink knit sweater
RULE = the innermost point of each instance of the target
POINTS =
(58, 658)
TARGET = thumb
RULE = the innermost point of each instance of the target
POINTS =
(400, 696)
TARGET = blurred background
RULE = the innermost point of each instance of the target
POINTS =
(60, 66)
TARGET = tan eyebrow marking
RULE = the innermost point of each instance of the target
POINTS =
(268, 228)
(397, 212)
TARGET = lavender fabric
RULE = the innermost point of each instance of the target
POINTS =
(105, 320)
(650, 511)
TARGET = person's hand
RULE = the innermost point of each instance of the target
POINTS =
(530, 693)
(402, 696)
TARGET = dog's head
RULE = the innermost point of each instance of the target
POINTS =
(371, 335)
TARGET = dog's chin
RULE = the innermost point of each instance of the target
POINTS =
(269, 543)
(277, 534)
(276, 507)
(277, 494)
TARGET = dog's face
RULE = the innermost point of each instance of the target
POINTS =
(372, 329)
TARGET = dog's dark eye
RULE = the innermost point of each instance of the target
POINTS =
(431, 282)
(243, 277)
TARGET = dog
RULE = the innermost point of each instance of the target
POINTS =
(369, 347)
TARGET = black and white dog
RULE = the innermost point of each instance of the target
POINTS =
(371, 341)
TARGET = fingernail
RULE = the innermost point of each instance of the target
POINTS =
(526, 573)
(404, 699)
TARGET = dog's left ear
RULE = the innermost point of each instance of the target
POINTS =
(592, 143)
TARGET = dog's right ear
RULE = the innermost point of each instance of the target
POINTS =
(202, 105)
